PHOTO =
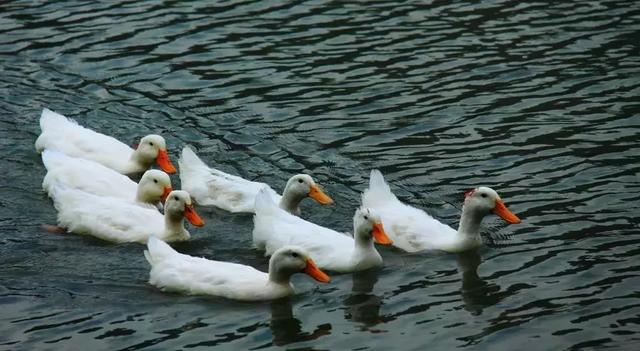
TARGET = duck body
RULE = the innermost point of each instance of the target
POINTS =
(275, 228)
(65, 135)
(410, 228)
(93, 177)
(116, 220)
(173, 271)
(212, 187)
(414, 230)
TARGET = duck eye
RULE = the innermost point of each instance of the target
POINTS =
(300, 181)
(483, 195)
(155, 181)
(151, 143)
(176, 198)
(366, 217)
(295, 254)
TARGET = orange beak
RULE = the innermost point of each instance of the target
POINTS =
(317, 194)
(379, 234)
(164, 162)
(192, 216)
(165, 193)
(501, 210)
(315, 272)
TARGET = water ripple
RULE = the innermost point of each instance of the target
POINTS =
(536, 99)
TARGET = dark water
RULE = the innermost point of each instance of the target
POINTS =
(540, 100)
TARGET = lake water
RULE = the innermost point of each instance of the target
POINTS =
(539, 100)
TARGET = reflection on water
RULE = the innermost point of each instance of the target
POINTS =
(287, 329)
(476, 293)
(538, 100)
(362, 305)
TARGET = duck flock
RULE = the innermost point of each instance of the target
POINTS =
(88, 180)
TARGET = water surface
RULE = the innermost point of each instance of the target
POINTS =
(539, 100)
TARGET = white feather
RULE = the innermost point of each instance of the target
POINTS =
(172, 271)
(85, 175)
(211, 187)
(275, 228)
(410, 228)
(109, 218)
(66, 135)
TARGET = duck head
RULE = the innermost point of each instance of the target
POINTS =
(368, 225)
(290, 260)
(153, 148)
(302, 185)
(154, 186)
(178, 205)
(484, 200)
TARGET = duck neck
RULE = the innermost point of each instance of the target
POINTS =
(143, 197)
(363, 244)
(138, 163)
(277, 276)
(174, 223)
(470, 222)
(364, 249)
(290, 201)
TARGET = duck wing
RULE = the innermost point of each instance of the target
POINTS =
(66, 135)
(107, 218)
(85, 175)
(173, 271)
(212, 187)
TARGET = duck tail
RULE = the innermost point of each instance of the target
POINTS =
(62, 195)
(378, 190)
(67, 201)
(50, 119)
(265, 208)
(264, 202)
(53, 159)
(147, 255)
(157, 250)
(376, 181)
(189, 160)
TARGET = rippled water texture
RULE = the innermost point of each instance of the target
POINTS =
(540, 100)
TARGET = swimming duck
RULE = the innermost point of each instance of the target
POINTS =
(92, 177)
(413, 230)
(63, 134)
(173, 271)
(117, 220)
(212, 187)
(275, 228)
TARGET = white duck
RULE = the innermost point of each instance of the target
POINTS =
(413, 230)
(173, 271)
(275, 228)
(63, 134)
(116, 220)
(212, 187)
(92, 177)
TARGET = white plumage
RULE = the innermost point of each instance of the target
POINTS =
(212, 187)
(413, 230)
(92, 177)
(172, 271)
(63, 134)
(117, 220)
(275, 228)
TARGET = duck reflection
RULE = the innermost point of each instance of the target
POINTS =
(287, 329)
(362, 305)
(476, 293)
